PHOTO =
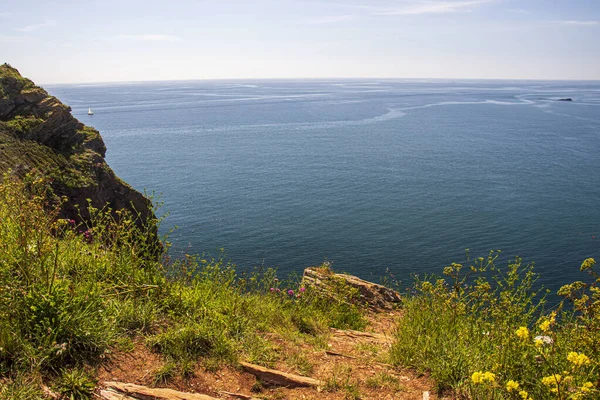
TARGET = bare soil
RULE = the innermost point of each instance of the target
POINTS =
(351, 365)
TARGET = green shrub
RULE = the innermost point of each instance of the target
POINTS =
(20, 388)
(485, 334)
(72, 291)
(75, 384)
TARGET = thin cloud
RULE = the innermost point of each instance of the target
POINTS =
(331, 19)
(433, 7)
(579, 23)
(518, 11)
(35, 27)
(151, 38)
(10, 39)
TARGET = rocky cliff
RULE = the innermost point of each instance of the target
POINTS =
(38, 133)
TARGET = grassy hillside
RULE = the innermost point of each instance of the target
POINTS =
(72, 291)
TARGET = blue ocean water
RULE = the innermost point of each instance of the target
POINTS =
(373, 175)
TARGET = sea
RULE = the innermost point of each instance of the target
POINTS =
(380, 178)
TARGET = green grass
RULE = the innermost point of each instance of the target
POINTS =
(383, 380)
(72, 292)
(474, 332)
(9, 76)
(341, 379)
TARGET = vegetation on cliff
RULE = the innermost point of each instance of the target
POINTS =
(70, 291)
(38, 133)
(483, 332)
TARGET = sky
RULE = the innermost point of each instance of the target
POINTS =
(80, 41)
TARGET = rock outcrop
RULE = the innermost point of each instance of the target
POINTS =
(39, 134)
(130, 391)
(361, 291)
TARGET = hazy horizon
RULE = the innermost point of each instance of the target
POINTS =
(324, 78)
(115, 41)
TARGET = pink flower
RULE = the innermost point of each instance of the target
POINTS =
(302, 289)
(272, 290)
(290, 292)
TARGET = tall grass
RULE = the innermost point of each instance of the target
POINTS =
(483, 332)
(70, 291)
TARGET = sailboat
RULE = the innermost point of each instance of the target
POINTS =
(90, 112)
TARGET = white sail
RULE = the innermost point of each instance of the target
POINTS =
(90, 112)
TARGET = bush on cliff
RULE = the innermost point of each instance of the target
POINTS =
(483, 332)
(70, 292)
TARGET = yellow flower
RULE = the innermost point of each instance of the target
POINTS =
(522, 332)
(587, 387)
(512, 385)
(482, 377)
(524, 395)
(552, 380)
(545, 326)
(588, 264)
(489, 376)
(578, 359)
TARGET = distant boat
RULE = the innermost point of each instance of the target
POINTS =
(90, 112)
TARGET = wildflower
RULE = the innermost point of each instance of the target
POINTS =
(587, 387)
(542, 340)
(588, 264)
(483, 377)
(524, 395)
(545, 326)
(302, 289)
(552, 380)
(489, 376)
(522, 333)
(512, 385)
(578, 359)
(272, 290)
(290, 292)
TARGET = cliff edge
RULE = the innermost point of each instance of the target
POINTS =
(38, 133)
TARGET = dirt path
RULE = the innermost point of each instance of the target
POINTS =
(348, 364)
